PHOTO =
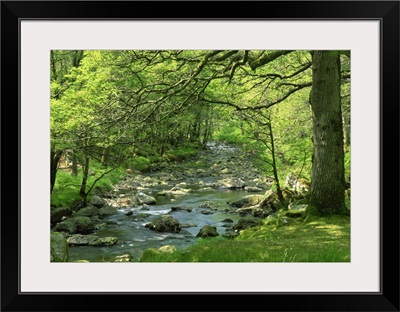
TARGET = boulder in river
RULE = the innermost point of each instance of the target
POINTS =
(91, 240)
(177, 190)
(209, 204)
(227, 220)
(98, 201)
(230, 183)
(107, 211)
(247, 201)
(207, 231)
(88, 212)
(164, 223)
(146, 199)
(253, 189)
(126, 202)
(79, 224)
(187, 209)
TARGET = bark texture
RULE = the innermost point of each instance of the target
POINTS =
(328, 182)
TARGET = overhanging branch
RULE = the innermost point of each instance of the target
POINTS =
(267, 58)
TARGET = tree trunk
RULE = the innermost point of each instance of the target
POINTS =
(74, 164)
(327, 177)
(274, 167)
(85, 175)
(105, 157)
(54, 160)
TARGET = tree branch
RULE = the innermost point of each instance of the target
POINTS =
(267, 58)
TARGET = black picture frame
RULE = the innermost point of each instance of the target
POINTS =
(12, 12)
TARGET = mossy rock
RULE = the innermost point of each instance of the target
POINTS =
(58, 248)
(164, 223)
(245, 223)
(88, 212)
(208, 231)
(167, 249)
(78, 224)
(108, 211)
(247, 201)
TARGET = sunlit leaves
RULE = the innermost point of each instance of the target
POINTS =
(155, 99)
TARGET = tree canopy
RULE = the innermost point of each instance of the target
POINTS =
(290, 109)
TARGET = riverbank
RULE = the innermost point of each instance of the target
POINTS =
(325, 239)
(218, 192)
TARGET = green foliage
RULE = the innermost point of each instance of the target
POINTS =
(66, 188)
(291, 128)
(293, 135)
(230, 132)
(157, 102)
(280, 218)
(347, 202)
(185, 151)
(320, 240)
(347, 163)
(97, 169)
(139, 163)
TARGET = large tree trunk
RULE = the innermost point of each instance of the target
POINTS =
(327, 180)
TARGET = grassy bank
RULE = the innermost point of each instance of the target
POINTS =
(67, 186)
(320, 240)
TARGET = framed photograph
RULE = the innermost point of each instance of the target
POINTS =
(187, 61)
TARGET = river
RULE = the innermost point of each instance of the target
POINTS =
(129, 224)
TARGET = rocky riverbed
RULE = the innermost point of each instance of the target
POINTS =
(218, 192)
